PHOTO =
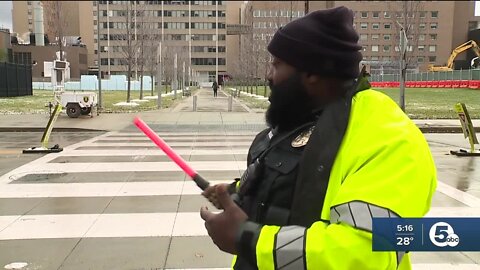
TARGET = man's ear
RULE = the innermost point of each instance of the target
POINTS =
(311, 82)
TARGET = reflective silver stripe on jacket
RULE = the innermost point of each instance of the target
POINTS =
(289, 248)
(360, 215)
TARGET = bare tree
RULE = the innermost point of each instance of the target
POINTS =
(56, 15)
(129, 50)
(142, 43)
(150, 42)
(150, 57)
(169, 52)
(407, 14)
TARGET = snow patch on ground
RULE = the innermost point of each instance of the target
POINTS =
(140, 100)
(128, 104)
(16, 265)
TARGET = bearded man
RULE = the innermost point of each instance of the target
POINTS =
(336, 155)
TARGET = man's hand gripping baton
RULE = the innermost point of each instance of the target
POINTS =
(200, 181)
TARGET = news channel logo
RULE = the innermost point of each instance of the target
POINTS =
(442, 234)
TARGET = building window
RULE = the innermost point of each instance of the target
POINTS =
(386, 58)
(207, 61)
(421, 37)
(256, 13)
(364, 48)
(375, 36)
(24, 58)
(421, 26)
(399, 14)
(386, 14)
(376, 14)
(375, 26)
(433, 26)
(374, 48)
(420, 59)
(387, 26)
(421, 48)
(363, 25)
(364, 14)
(374, 58)
(433, 36)
(386, 37)
(432, 48)
(432, 59)
(411, 15)
(434, 14)
(386, 48)
(423, 14)
(397, 49)
(363, 37)
(472, 25)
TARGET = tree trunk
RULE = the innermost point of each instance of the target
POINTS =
(151, 82)
(141, 65)
(129, 48)
(141, 78)
(265, 88)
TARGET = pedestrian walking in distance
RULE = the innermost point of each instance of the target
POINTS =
(215, 89)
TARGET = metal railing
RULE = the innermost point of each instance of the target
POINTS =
(467, 74)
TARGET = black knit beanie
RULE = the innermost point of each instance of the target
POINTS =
(323, 42)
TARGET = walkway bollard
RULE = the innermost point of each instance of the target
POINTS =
(194, 103)
(230, 103)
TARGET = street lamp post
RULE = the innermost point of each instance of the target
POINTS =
(403, 66)
(159, 76)
(99, 104)
(216, 42)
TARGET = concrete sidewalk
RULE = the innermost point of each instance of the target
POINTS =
(210, 111)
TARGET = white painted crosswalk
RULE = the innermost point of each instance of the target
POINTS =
(62, 202)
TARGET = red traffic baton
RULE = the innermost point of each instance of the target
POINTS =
(200, 181)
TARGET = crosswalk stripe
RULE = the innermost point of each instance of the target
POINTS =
(172, 144)
(120, 225)
(180, 138)
(150, 152)
(102, 189)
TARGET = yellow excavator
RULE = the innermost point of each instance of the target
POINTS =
(465, 46)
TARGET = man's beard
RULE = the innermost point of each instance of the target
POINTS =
(290, 104)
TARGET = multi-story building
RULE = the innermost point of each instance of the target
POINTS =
(435, 28)
(190, 29)
(263, 18)
(74, 24)
(22, 17)
(194, 31)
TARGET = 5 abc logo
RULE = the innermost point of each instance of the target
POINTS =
(442, 235)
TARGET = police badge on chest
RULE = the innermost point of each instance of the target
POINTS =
(302, 139)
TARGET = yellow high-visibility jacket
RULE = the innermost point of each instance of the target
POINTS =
(384, 168)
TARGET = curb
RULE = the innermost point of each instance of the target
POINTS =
(444, 129)
(42, 129)
(423, 129)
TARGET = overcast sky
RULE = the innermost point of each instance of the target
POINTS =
(6, 13)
